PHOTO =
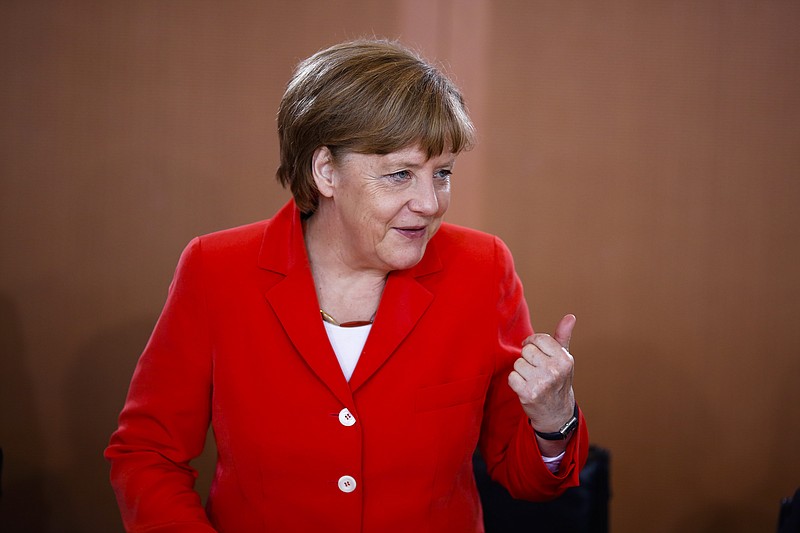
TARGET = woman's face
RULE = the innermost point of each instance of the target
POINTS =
(386, 207)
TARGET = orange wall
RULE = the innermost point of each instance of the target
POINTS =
(640, 158)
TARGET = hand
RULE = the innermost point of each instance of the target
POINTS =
(542, 377)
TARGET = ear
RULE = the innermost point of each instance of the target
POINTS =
(323, 170)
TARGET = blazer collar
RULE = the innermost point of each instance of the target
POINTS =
(294, 301)
(282, 245)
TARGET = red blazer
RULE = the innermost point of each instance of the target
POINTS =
(240, 345)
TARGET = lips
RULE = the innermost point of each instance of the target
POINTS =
(413, 232)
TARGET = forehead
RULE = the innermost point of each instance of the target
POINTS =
(409, 157)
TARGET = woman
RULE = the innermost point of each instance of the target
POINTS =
(352, 351)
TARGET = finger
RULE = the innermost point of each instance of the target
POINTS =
(516, 382)
(546, 346)
(531, 352)
(563, 332)
(526, 371)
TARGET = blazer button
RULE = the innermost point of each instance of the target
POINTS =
(347, 484)
(346, 418)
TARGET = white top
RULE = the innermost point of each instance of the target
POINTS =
(348, 343)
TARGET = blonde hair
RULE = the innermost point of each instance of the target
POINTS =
(370, 97)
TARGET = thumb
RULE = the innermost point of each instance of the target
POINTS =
(563, 331)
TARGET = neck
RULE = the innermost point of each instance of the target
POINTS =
(343, 290)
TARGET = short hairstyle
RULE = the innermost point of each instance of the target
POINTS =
(370, 97)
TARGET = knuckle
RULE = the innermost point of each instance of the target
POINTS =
(533, 396)
(529, 350)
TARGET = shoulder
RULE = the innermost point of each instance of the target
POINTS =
(469, 244)
(253, 234)
(207, 257)
(472, 255)
(224, 251)
(232, 239)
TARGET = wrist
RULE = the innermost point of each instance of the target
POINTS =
(563, 432)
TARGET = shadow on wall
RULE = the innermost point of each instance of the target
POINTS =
(24, 505)
(77, 498)
(94, 393)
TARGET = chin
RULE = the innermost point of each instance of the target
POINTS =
(406, 261)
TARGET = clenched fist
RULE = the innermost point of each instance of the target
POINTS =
(542, 378)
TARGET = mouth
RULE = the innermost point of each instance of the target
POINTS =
(412, 232)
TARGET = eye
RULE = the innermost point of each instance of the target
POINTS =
(399, 176)
(443, 174)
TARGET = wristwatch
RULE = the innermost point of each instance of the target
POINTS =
(565, 430)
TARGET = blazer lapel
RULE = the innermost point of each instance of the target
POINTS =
(403, 304)
(294, 300)
(295, 303)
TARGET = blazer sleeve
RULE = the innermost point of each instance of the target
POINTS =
(508, 443)
(165, 419)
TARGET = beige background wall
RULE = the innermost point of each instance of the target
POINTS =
(640, 158)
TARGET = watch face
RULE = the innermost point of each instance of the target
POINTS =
(569, 427)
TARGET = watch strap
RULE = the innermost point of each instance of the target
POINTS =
(564, 431)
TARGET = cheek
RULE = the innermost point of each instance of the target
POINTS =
(386, 208)
(372, 209)
(444, 201)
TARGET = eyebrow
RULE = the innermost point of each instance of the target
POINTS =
(409, 163)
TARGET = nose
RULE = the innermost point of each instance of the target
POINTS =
(423, 197)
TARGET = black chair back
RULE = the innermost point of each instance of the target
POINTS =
(789, 516)
(582, 509)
